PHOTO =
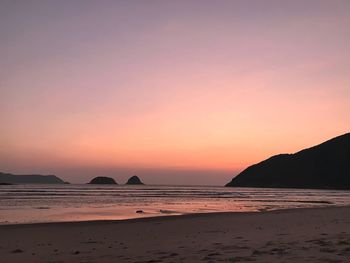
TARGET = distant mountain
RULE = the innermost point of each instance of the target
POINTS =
(323, 166)
(29, 179)
(102, 180)
(134, 180)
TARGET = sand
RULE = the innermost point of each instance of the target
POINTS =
(299, 235)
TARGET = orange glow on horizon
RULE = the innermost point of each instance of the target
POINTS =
(218, 88)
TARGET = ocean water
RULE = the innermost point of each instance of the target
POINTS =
(56, 203)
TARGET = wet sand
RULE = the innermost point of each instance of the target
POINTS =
(297, 235)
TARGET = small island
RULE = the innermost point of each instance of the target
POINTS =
(134, 180)
(103, 180)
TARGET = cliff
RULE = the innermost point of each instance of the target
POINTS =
(326, 165)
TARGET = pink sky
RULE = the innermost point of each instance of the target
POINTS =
(176, 91)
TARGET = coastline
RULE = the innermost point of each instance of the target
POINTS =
(35, 204)
(167, 217)
(292, 235)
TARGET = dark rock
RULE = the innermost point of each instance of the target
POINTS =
(102, 180)
(139, 211)
(134, 180)
(17, 251)
(325, 166)
(29, 179)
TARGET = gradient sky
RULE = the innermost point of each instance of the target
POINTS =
(179, 92)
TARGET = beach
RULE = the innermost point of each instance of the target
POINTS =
(292, 235)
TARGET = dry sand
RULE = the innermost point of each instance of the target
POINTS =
(299, 235)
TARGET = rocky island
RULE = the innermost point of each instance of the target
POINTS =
(103, 180)
(134, 180)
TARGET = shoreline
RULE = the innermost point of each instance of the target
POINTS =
(320, 234)
(167, 217)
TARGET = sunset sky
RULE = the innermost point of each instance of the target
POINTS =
(178, 92)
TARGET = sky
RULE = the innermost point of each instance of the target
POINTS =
(177, 92)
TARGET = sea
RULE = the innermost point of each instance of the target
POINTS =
(21, 204)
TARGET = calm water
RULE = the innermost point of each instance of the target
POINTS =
(50, 203)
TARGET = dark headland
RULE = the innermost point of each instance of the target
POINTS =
(134, 180)
(325, 166)
(103, 180)
(7, 178)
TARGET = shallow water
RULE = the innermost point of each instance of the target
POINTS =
(55, 203)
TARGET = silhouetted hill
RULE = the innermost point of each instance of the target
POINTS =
(102, 180)
(134, 180)
(323, 166)
(29, 179)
